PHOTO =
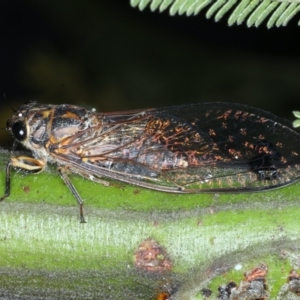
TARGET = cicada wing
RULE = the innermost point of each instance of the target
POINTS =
(192, 148)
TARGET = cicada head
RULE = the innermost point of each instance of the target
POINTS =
(28, 125)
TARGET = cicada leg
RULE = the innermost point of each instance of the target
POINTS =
(22, 162)
(63, 174)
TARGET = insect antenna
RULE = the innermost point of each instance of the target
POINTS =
(14, 110)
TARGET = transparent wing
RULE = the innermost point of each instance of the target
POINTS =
(193, 148)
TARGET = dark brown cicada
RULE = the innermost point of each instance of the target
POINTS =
(210, 147)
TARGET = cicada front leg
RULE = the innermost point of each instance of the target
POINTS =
(22, 162)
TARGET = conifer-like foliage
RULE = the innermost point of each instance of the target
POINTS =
(252, 12)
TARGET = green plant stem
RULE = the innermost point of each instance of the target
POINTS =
(44, 245)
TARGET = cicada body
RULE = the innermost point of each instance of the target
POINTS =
(209, 147)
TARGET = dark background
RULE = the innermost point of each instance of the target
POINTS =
(108, 55)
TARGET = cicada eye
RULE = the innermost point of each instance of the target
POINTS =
(19, 131)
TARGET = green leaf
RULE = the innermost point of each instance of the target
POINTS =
(229, 4)
(200, 6)
(277, 13)
(155, 4)
(252, 12)
(296, 123)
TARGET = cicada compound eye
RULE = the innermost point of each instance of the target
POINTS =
(19, 131)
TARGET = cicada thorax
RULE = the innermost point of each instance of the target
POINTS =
(68, 124)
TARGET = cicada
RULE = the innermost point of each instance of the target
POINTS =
(196, 148)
